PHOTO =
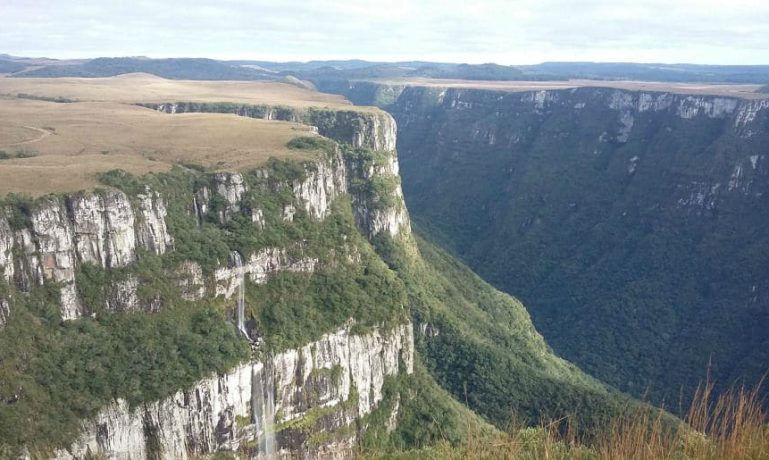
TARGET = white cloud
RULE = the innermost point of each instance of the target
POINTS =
(508, 32)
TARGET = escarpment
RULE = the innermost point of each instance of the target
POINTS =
(374, 129)
(149, 246)
(631, 222)
(260, 312)
(108, 228)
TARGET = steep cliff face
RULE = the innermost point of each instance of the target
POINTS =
(286, 232)
(152, 232)
(106, 228)
(6, 250)
(628, 222)
(379, 206)
(271, 406)
(97, 228)
(372, 129)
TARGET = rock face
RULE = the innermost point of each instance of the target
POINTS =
(328, 384)
(323, 182)
(259, 267)
(152, 233)
(231, 187)
(6, 250)
(375, 130)
(5, 310)
(277, 404)
(375, 214)
(97, 228)
(189, 279)
(56, 252)
(104, 229)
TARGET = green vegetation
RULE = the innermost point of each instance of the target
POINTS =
(66, 371)
(481, 346)
(379, 189)
(312, 143)
(642, 275)
(295, 308)
(731, 426)
(58, 99)
(19, 153)
(476, 343)
(53, 374)
(427, 414)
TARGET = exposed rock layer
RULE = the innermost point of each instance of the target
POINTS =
(340, 376)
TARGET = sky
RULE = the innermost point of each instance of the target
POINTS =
(473, 31)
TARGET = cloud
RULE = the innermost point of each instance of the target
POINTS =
(507, 32)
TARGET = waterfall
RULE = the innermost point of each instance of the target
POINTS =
(263, 408)
(240, 273)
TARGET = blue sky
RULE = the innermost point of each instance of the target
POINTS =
(506, 32)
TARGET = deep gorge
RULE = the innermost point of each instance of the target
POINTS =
(630, 223)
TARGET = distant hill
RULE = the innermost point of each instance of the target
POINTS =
(655, 72)
(176, 68)
(356, 69)
(10, 66)
(418, 70)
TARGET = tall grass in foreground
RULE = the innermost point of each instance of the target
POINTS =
(732, 425)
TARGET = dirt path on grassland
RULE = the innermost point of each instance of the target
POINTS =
(43, 134)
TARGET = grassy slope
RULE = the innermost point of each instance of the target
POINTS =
(480, 345)
(57, 134)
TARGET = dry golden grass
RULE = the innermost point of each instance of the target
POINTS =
(104, 130)
(732, 426)
(742, 91)
(139, 87)
(73, 142)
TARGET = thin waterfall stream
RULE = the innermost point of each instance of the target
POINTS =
(263, 401)
(240, 273)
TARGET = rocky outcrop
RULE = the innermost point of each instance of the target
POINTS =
(103, 227)
(324, 385)
(97, 228)
(56, 253)
(190, 281)
(5, 311)
(152, 233)
(375, 130)
(123, 296)
(259, 267)
(231, 187)
(323, 182)
(27, 271)
(228, 190)
(378, 209)
(6, 250)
